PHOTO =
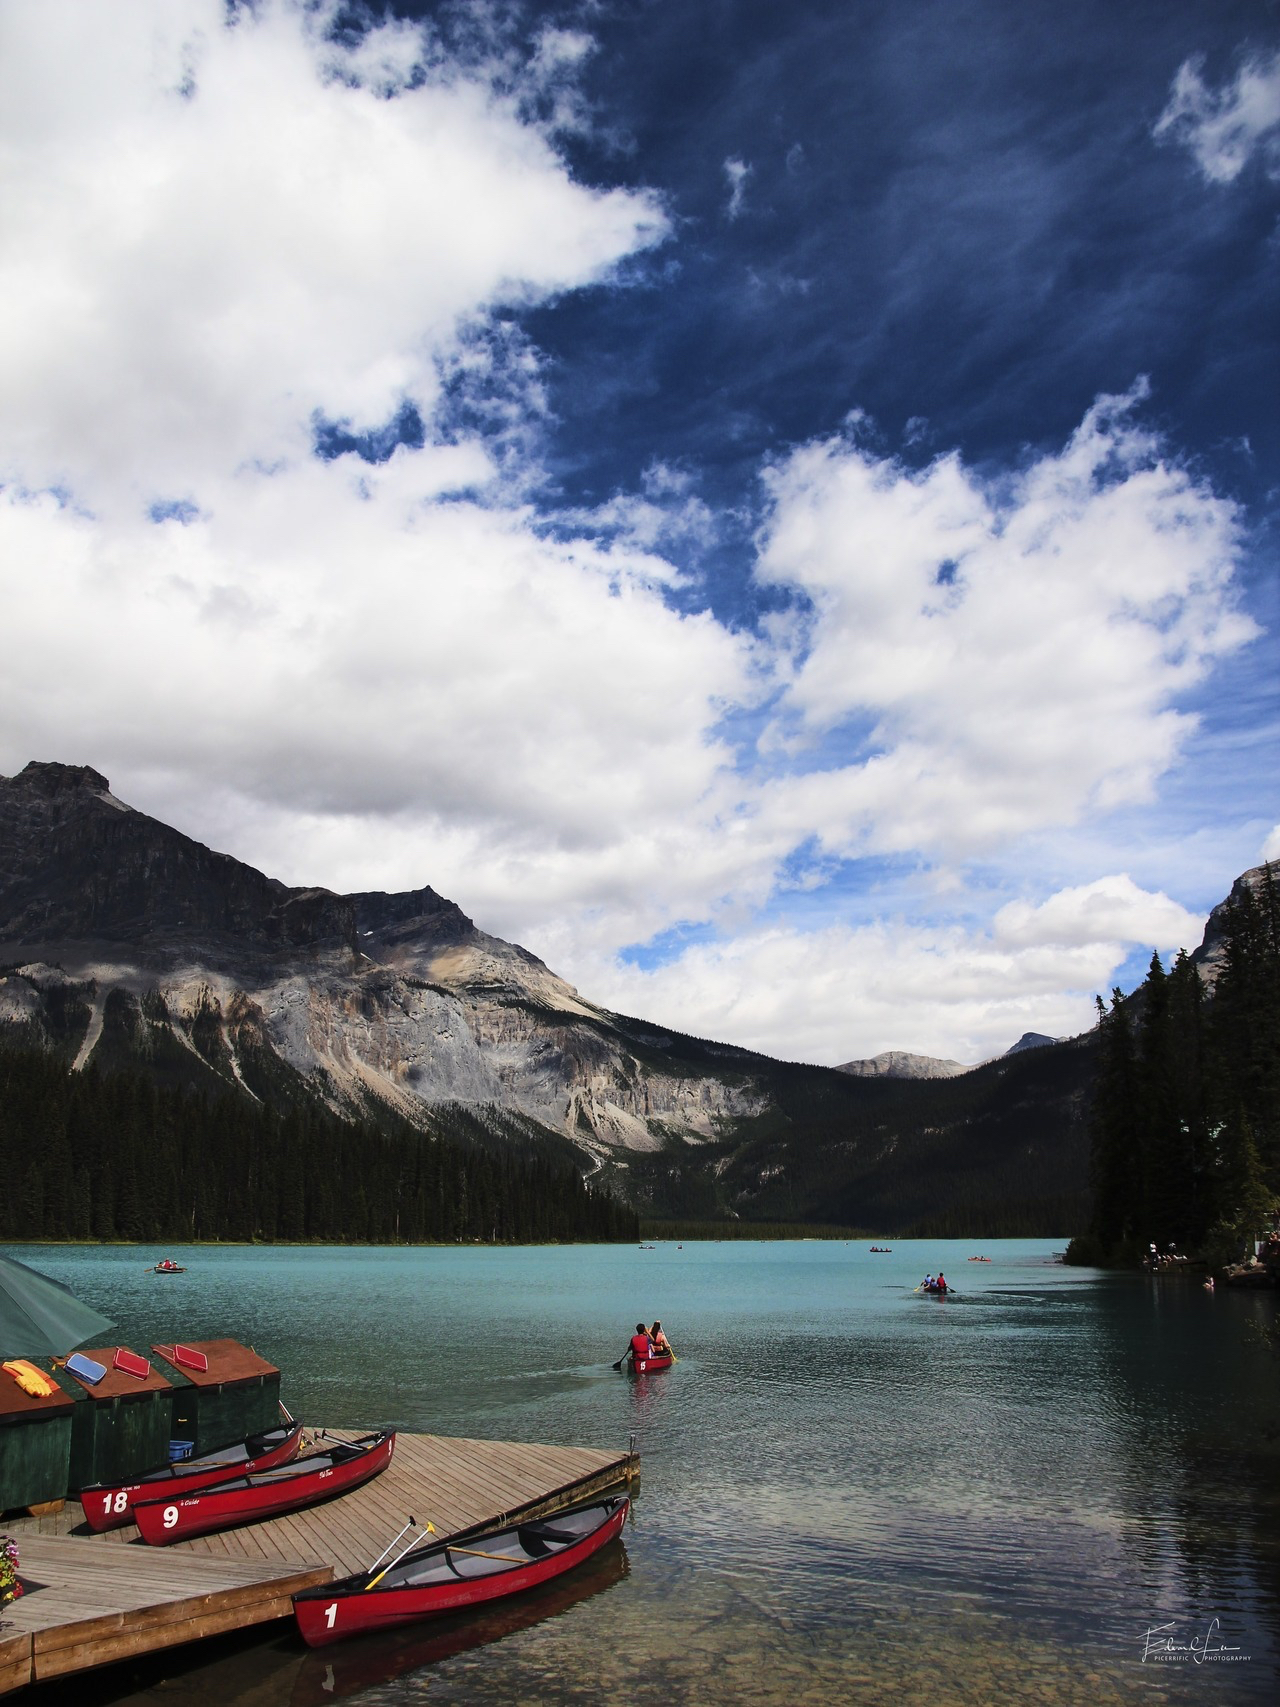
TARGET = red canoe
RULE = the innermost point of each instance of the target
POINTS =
(307, 1481)
(449, 1575)
(107, 1506)
(643, 1365)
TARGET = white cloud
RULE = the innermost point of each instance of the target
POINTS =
(843, 993)
(737, 172)
(340, 645)
(1223, 127)
(1271, 847)
(1109, 911)
(189, 276)
(999, 657)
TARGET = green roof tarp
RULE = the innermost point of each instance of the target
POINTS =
(39, 1317)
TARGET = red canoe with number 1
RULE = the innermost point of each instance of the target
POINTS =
(452, 1575)
(248, 1499)
(109, 1506)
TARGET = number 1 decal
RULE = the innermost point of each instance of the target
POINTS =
(331, 1614)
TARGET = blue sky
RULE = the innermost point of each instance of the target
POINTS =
(772, 507)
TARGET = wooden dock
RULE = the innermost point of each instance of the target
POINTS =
(109, 1597)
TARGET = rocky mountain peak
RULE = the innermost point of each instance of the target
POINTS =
(49, 778)
(1031, 1040)
(82, 873)
(413, 916)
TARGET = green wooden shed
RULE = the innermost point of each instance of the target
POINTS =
(35, 1446)
(235, 1394)
(121, 1425)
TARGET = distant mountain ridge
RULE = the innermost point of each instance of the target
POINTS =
(124, 943)
(898, 1064)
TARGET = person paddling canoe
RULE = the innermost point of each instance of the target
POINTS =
(641, 1345)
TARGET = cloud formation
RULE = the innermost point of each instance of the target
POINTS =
(960, 993)
(235, 242)
(1224, 127)
(1002, 655)
(215, 230)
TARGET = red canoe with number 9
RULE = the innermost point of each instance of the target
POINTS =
(109, 1506)
(248, 1499)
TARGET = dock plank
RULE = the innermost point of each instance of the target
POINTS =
(15, 1659)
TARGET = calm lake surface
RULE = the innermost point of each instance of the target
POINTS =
(850, 1493)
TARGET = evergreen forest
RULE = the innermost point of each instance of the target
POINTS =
(113, 1155)
(1186, 1113)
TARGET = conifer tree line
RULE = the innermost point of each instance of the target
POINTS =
(114, 1156)
(1186, 1114)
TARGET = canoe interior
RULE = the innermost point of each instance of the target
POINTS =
(257, 1446)
(479, 1556)
(339, 1453)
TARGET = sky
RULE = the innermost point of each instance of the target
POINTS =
(773, 508)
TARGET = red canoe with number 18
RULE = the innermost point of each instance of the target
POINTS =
(109, 1506)
(307, 1481)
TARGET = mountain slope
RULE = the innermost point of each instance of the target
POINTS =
(125, 943)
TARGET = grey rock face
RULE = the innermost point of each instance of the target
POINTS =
(1210, 956)
(372, 998)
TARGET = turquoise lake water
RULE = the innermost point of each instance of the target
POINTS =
(850, 1493)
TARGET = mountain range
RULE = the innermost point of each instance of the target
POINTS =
(126, 944)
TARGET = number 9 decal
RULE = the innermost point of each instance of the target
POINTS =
(170, 1516)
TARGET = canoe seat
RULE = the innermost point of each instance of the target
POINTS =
(547, 1532)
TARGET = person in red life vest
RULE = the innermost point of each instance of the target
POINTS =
(661, 1344)
(641, 1344)
(942, 1282)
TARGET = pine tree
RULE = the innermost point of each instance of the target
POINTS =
(1117, 1163)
